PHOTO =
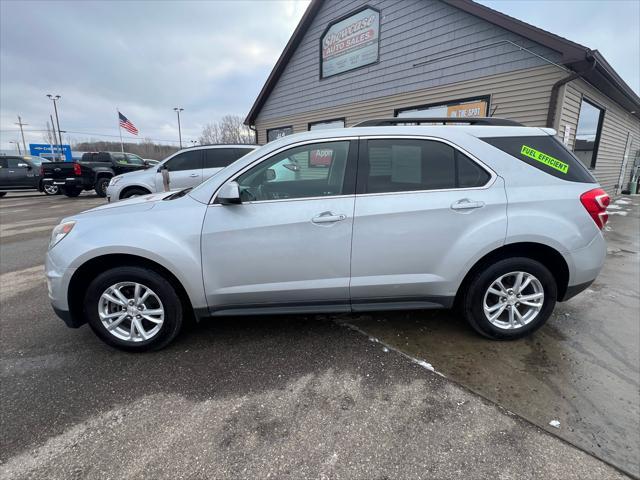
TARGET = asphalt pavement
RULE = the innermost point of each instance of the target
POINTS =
(259, 397)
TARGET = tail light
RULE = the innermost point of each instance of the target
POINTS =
(596, 202)
(42, 170)
(76, 169)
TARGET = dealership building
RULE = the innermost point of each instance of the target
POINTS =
(349, 61)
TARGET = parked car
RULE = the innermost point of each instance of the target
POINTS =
(495, 218)
(23, 173)
(187, 168)
(92, 172)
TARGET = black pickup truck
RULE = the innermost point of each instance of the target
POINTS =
(92, 172)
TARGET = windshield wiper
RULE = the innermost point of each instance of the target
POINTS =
(179, 194)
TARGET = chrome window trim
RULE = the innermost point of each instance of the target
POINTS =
(492, 174)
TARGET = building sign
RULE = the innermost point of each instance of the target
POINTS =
(45, 150)
(276, 133)
(474, 109)
(350, 43)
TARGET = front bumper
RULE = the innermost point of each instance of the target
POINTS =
(58, 280)
(113, 193)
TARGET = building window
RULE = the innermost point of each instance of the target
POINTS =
(276, 133)
(468, 107)
(327, 124)
(588, 133)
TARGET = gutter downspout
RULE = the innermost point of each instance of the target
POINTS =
(555, 90)
(255, 133)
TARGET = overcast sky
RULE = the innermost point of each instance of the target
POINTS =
(210, 58)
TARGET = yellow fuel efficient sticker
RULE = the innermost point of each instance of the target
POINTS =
(548, 160)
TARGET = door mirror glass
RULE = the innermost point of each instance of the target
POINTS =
(271, 174)
(229, 194)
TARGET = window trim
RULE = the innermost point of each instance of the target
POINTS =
(278, 128)
(353, 165)
(359, 184)
(486, 98)
(596, 143)
(340, 119)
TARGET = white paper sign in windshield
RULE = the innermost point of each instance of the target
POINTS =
(351, 43)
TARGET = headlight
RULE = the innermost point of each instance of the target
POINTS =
(115, 180)
(59, 232)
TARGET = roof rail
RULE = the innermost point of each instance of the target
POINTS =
(384, 122)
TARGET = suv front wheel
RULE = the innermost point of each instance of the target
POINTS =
(133, 308)
(510, 299)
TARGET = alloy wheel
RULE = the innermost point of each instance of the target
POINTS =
(513, 300)
(131, 311)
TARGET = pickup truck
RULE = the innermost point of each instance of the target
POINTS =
(92, 172)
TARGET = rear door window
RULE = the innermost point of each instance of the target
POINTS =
(545, 153)
(405, 165)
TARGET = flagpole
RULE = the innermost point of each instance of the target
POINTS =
(120, 130)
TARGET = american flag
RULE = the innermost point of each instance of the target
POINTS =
(127, 125)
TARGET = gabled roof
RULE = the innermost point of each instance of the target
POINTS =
(575, 56)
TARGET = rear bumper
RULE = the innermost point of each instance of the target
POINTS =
(585, 265)
(68, 182)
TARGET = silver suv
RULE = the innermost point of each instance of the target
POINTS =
(498, 219)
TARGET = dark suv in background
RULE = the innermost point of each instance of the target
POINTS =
(92, 172)
(19, 172)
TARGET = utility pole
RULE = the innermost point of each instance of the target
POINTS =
(55, 108)
(178, 110)
(24, 144)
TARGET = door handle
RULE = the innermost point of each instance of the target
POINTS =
(193, 175)
(328, 217)
(466, 204)
(12, 171)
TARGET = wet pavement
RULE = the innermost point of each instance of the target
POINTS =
(582, 368)
(258, 397)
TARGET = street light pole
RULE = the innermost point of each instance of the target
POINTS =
(55, 108)
(17, 145)
(178, 110)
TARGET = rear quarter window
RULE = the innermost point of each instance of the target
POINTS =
(545, 153)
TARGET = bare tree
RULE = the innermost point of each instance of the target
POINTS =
(49, 137)
(229, 129)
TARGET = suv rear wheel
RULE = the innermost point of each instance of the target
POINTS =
(133, 308)
(510, 299)
(101, 186)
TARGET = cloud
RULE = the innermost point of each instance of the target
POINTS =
(211, 58)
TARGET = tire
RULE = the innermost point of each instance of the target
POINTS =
(101, 186)
(477, 293)
(2, 194)
(51, 189)
(134, 192)
(163, 297)
(72, 192)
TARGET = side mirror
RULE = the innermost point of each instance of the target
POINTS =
(271, 174)
(229, 194)
(24, 165)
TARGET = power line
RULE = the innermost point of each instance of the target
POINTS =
(90, 133)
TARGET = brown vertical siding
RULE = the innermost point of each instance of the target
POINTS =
(616, 126)
(521, 95)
